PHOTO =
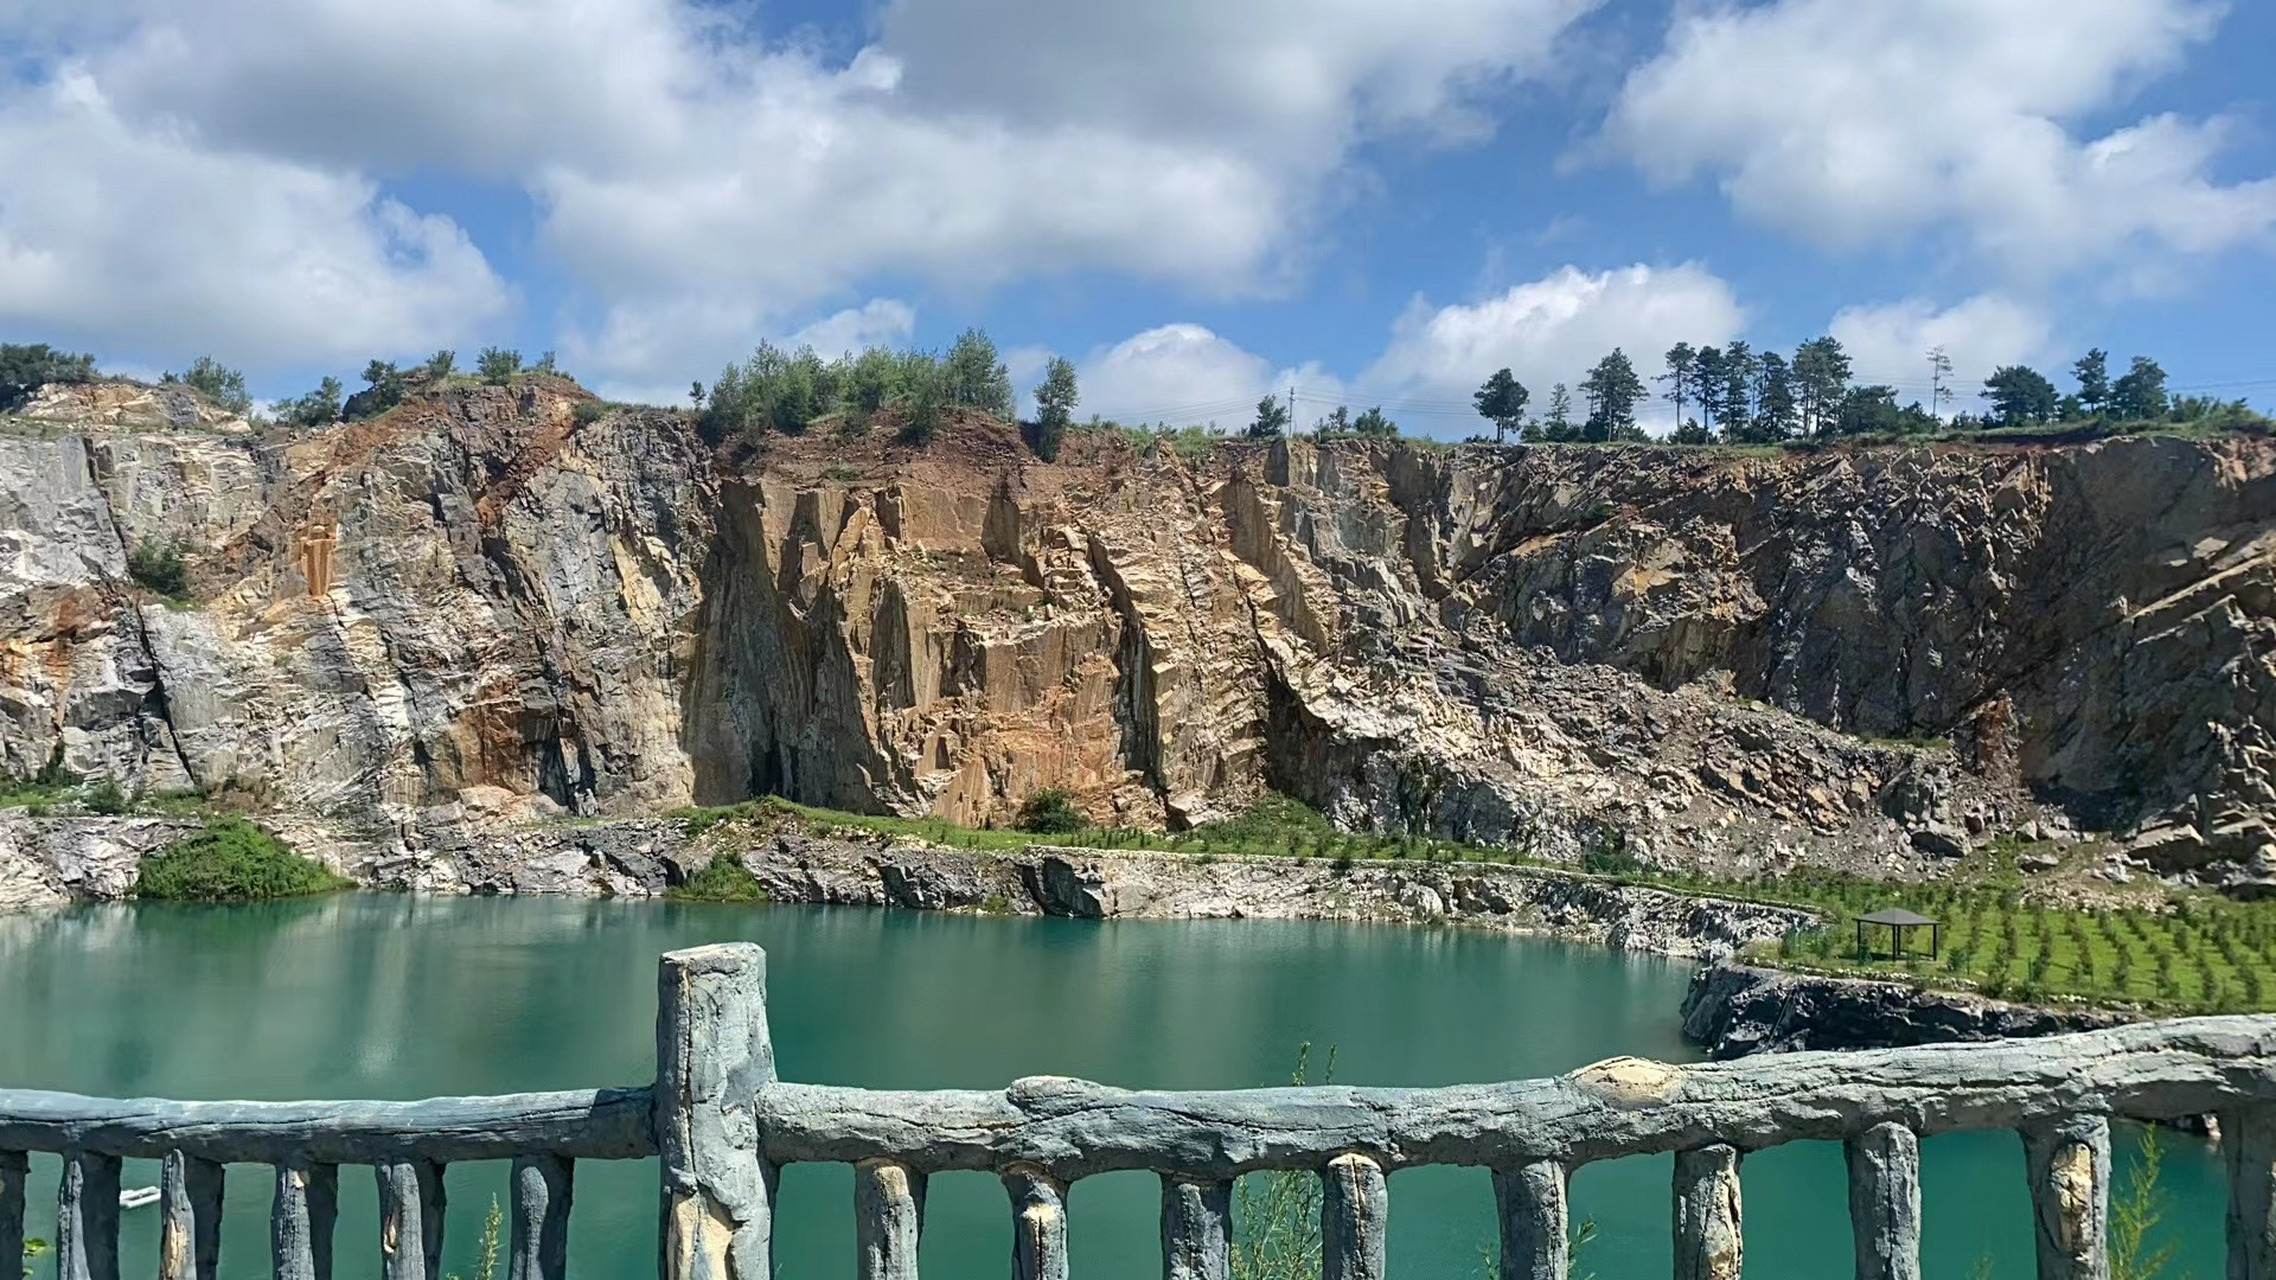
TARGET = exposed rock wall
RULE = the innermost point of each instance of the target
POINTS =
(1680, 655)
(1732, 1010)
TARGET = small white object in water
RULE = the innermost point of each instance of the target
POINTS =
(136, 1197)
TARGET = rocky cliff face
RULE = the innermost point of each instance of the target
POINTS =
(1732, 1010)
(489, 604)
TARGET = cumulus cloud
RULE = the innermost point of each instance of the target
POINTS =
(676, 336)
(1178, 373)
(1859, 121)
(701, 182)
(1553, 330)
(1889, 343)
(1547, 331)
(146, 233)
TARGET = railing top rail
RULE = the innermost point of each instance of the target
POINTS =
(599, 1124)
(1621, 1107)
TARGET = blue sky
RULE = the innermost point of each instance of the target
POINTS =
(1196, 200)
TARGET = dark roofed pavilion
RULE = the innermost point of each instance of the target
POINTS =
(1896, 920)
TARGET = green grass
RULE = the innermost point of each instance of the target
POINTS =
(231, 860)
(723, 879)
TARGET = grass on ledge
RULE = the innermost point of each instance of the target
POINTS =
(231, 860)
(723, 879)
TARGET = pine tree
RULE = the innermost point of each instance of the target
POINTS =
(1557, 427)
(2020, 394)
(1774, 400)
(2093, 374)
(1821, 380)
(1271, 420)
(1613, 391)
(1502, 401)
(1054, 406)
(1733, 403)
(973, 376)
(2139, 393)
(1709, 378)
(1682, 365)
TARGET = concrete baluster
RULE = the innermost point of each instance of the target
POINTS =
(1709, 1241)
(2068, 1160)
(713, 1055)
(1197, 1229)
(889, 1218)
(189, 1227)
(1530, 1201)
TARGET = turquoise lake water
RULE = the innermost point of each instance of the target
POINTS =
(382, 996)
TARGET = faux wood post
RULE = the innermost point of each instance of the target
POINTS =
(2248, 1139)
(301, 1220)
(2068, 1159)
(1354, 1207)
(713, 1056)
(543, 1187)
(87, 1218)
(1197, 1229)
(411, 1203)
(1884, 1202)
(1530, 1200)
(889, 1217)
(189, 1207)
(14, 1167)
(1709, 1243)
(1039, 1224)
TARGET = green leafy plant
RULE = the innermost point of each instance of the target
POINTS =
(106, 800)
(216, 382)
(498, 365)
(1276, 1215)
(231, 860)
(723, 879)
(158, 566)
(2135, 1214)
(486, 1250)
(1051, 811)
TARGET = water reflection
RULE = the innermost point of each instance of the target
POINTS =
(404, 997)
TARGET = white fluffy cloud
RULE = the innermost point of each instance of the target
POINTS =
(665, 337)
(1183, 373)
(1890, 343)
(144, 233)
(1856, 121)
(1553, 329)
(1547, 331)
(700, 182)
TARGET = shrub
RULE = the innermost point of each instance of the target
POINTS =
(231, 860)
(319, 408)
(723, 879)
(158, 566)
(107, 800)
(589, 412)
(1051, 811)
(216, 382)
(440, 364)
(498, 365)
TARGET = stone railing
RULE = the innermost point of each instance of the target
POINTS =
(724, 1127)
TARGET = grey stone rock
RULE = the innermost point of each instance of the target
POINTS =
(1734, 1010)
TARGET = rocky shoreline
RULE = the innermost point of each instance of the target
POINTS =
(1730, 1010)
(46, 862)
(1733, 1010)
